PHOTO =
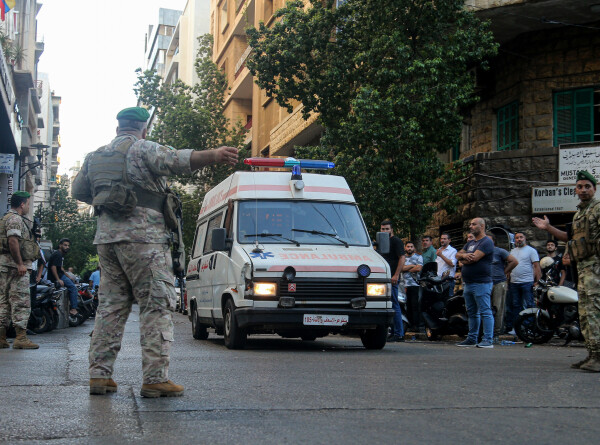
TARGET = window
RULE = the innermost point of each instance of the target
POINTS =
(198, 241)
(508, 127)
(224, 18)
(268, 10)
(576, 116)
(213, 223)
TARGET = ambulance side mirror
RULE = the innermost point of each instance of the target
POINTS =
(219, 241)
(383, 242)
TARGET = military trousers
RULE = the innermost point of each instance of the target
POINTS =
(142, 273)
(15, 298)
(588, 289)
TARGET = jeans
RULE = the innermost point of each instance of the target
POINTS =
(451, 288)
(520, 296)
(72, 291)
(398, 326)
(478, 301)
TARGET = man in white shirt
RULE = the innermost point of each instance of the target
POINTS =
(446, 259)
(522, 279)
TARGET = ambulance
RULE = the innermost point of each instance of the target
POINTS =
(286, 254)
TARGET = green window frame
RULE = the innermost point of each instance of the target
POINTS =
(508, 127)
(456, 152)
(573, 114)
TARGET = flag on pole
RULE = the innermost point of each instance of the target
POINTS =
(5, 6)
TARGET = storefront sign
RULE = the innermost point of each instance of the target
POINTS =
(561, 199)
(571, 160)
(7, 163)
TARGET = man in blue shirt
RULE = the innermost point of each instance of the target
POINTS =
(95, 278)
(476, 257)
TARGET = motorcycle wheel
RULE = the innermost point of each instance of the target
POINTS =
(75, 320)
(526, 329)
(45, 323)
(431, 334)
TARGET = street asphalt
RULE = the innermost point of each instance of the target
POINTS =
(280, 391)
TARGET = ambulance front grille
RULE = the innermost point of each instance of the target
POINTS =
(323, 289)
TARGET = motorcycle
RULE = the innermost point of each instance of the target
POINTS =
(86, 303)
(44, 310)
(443, 315)
(556, 314)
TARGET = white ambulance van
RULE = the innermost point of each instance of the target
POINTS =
(288, 255)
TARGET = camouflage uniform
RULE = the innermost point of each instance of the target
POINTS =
(136, 266)
(588, 286)
(15, 300)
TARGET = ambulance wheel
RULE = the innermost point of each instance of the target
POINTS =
(198, 331)
(374, 338)
(234, 336)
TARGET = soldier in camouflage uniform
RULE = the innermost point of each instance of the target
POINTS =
(134, 253)
(584, 247)
(15, 268)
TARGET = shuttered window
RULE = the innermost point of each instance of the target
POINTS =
(574, 116)
(508, 127)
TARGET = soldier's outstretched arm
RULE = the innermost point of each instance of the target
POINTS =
(221, 155)
(544, 224)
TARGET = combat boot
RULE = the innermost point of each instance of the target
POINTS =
(593, 364)
(102, 386)
(166, 389)
(3, 342)
(22, 342)
(582, 362)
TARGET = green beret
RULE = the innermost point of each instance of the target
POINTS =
(138, 114)
(22, 194)
(583, 175)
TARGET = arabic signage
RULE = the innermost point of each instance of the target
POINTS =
(571, 160)
(560, 199)
(7, 163)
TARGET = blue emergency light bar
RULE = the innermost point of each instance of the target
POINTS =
(289, 162)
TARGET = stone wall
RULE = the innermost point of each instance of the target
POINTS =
(529, 70)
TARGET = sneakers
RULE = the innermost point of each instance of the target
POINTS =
(165, 389)
(102, 386)
(485, 344)
(512, 332)
(467, 343)
(395, 338)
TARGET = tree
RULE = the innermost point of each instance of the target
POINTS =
(62, 220)
(389, 79)
(192, 117)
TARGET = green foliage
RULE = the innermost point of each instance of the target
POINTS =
(192, 117)
(389, 79)
(63, 221)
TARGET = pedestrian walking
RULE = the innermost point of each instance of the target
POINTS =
(584, 248)
(522, 279)
(395, 259)
(126, 182)
(502, 264)
(19, 249)
(476, 257)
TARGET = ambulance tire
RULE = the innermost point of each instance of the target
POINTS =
(198, 331)
(233, 335)
(374, 338)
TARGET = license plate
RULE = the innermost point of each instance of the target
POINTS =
(325, 320)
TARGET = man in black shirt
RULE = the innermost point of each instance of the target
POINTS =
(56, 272)
(395, 259)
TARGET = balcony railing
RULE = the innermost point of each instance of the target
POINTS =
(239, 66)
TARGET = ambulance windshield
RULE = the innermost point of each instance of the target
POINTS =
(308, 222)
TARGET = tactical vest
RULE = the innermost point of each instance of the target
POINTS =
(113, 192)
(582, 245)
(29, 249)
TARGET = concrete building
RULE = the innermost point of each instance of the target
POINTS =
(21, 106)
(183, 48)
(539, 107)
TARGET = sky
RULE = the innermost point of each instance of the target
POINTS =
(91, 51)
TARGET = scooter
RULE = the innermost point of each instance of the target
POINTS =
(44, 310)
(556, 313)
(86, 306)
(443, 315)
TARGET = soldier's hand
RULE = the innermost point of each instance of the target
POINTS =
(21, 269)
(541, 223)
(226, 155)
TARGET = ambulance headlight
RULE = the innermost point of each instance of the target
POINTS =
(376, 289)
(265, 289)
